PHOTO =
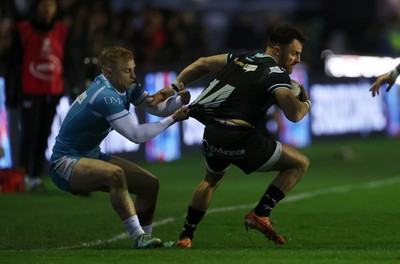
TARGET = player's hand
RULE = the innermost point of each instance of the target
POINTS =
(181, 114)
(185, 96)
(161, 96)
(385, 78)
(303, 95)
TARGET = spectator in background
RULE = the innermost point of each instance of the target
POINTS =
(186, 37)
(76, 17)
(153, 35)
(34, 83)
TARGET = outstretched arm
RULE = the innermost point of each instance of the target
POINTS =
(201, 67)
(166, 107)
(194, 71)
(140, 133)
(389, 78)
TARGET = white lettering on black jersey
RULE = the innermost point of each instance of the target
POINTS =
(244, 89)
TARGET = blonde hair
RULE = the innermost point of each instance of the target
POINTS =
(111, 55)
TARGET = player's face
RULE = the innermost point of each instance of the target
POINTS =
(46, 10)
(290, 55)
(123, 75)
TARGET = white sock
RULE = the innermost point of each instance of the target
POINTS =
(148, 229)
(32, 182)
(133, 226)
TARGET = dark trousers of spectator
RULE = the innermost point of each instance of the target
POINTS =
(36, 117)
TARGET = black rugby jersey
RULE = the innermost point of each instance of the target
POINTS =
(243, 89)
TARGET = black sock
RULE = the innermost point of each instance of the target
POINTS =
(271, 197)
(192, 219)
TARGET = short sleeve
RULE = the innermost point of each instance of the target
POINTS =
(277, 79)
(137, 94)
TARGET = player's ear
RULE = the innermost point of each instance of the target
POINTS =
(277, 49)
(107, 72)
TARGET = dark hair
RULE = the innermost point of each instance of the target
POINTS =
(284, 34)
(34, 4)
(33, 16)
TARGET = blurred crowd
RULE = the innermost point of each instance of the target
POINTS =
(160, 37)
(157, 37)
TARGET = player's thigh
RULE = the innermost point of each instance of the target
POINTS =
(291, 158)
(138, 179)
(92, 175)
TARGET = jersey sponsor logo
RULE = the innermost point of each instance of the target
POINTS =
(249, 67)
(211, 150)
(112, 100)
(275, 69)
(82, 97)
(246, 67)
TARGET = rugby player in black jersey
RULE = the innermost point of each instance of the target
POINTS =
(245, 87)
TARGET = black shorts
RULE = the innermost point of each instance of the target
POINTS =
(245, 147)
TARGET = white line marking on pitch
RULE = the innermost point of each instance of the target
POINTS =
(290, 198)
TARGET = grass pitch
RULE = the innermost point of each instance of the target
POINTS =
(344, 210)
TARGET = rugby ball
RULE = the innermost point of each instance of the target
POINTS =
(295, 88)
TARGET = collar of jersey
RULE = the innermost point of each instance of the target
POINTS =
(262, 55)
(103, 79)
